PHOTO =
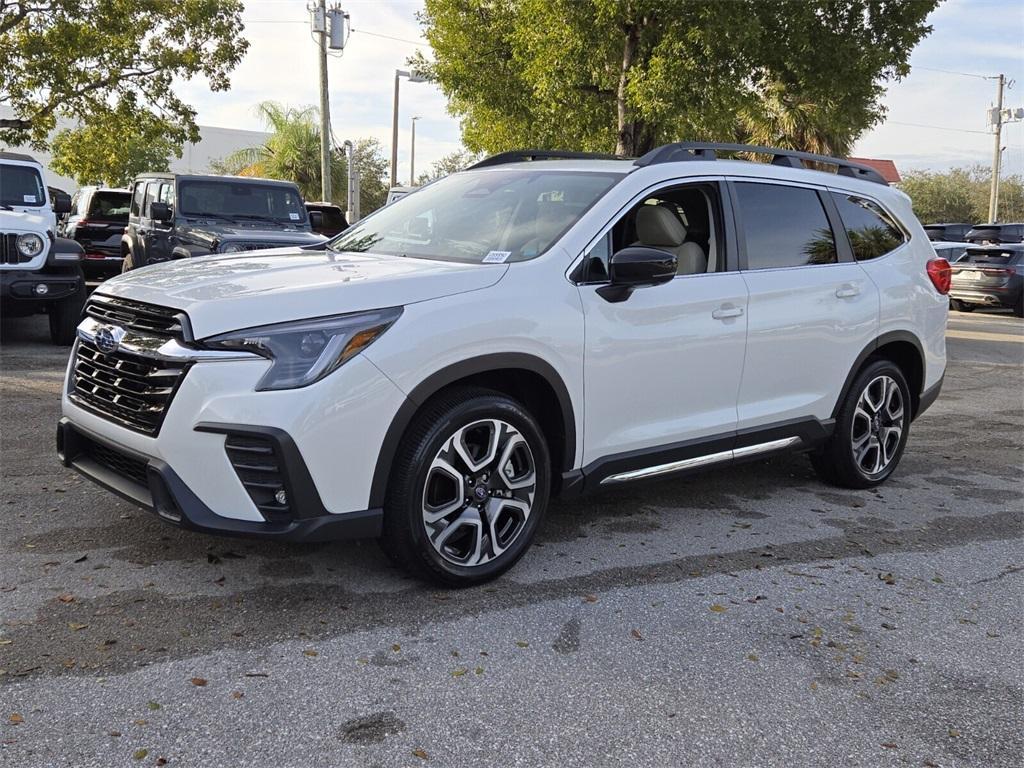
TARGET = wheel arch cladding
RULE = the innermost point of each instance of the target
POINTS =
(900, 347)
(525, 378)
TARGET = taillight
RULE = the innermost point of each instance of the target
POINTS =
(940, 273)
(1003, 272)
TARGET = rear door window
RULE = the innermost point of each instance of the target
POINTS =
(871, 230)
(784, 226)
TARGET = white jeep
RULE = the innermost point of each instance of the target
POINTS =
(38, 271)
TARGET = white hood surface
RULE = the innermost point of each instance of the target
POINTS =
(234, 291)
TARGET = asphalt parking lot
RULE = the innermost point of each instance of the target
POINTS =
(750, 617)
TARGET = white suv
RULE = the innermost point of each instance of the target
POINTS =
(541, 323)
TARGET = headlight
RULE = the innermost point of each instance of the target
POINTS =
(232, 248)
(30, 245)
(306, 351)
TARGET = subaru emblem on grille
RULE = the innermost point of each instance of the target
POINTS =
(108, 338)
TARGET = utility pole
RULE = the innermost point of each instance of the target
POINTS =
(412, 77)
(997, 155)
(320, 29)
(412, 155)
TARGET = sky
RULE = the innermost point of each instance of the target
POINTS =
(935, 119)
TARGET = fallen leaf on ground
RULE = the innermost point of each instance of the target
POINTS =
(522, 644)
(421, 754)
(140, 754)
(752, 657)
(459, 671)
(152, 706)
(310, 652)
(636, 634)
(237, 694)
(82, 559)
(16, 719)
(590, 598)
(199, 681)
(75, 626)
(396, 647)
(66, 598)
(889, 745)
(716, 608)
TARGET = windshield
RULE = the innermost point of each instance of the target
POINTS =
(110, 206)
(487, 216)
(241, 200)
(21, 185)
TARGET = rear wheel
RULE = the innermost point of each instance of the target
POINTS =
(468, 489)
(871, 429)
(960, 306)
(1018, 308)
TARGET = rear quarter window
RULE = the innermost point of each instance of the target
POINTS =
(872, 231)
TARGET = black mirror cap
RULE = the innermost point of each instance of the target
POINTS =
(61, 204)
(640, 265)
(316, 219)
(160, 211)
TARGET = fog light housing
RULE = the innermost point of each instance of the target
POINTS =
(41, 289)
(281, 498)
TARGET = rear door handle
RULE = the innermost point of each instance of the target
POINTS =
(847, 291)
(726, 311)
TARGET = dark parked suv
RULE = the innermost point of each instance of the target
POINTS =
(178, 216)
(97, 222)
(983, 234)
(989, 276)
(951, 232)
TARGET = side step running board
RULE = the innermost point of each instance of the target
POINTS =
(700, 461)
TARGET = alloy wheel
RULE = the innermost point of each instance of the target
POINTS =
(878, 424)
(479, 492)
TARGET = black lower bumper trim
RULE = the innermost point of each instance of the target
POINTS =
(172, 500)
(929, 396)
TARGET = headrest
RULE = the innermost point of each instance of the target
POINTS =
(659, 226)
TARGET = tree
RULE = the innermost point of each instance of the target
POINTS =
(961, 194)
(292, 152)
(113, 156)
(449, 164)
(627, 75)
(84, 59)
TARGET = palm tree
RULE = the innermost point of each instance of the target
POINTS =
(292, 151)
(780, 118)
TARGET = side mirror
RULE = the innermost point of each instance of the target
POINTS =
(160, 212)
(61, 204)
(316, 220)
(637, 266)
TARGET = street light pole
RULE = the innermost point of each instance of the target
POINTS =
(412, 77)
(997, 155)
(412, 155)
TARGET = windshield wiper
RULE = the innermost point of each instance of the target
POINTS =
(209, 216)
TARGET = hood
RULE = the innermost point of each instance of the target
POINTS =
(228, 292)
(24, 221)
(211, 233)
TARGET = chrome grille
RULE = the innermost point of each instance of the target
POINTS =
(127, 387)
(147, 318)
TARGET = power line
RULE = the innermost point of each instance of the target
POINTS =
(390, 37)
(954, 72)
(938, 127)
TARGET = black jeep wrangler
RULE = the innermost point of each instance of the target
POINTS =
(179, 216)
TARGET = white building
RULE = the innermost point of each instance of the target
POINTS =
(214, 144)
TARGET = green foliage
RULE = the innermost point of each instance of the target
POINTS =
(292, 152)
(81, 59)
(113, 151)
(447, 165)
(962, 194)
(627, 75)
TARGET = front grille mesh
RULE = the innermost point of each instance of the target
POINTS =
(115, 461)
(130, 389)
(258, 466)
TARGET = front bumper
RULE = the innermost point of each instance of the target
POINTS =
(152, 484)
(20, 287)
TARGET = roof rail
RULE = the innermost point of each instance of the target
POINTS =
(524, 155)
(699, 150)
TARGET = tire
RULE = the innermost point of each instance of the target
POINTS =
(960, 306)
(432, 478)
(864, 429)
(1018, 308)
(65, 316)
(128, 262)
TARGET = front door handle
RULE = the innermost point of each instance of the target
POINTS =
(847, 291)
(726, 311)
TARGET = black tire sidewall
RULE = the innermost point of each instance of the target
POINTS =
(844, 424)
(64, 316)
(403, 507)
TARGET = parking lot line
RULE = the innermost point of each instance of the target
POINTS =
(985, 336)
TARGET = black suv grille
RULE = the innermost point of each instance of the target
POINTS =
(130, 389)
(115, 461)
(9, 253)
(258, 467)
(147, 318)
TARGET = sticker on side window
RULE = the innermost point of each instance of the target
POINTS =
(293, 216)
(497, 257)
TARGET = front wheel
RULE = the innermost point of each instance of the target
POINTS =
(871, 430)
(65, 316)
(469, 487)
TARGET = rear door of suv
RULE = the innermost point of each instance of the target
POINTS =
(812, 308)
